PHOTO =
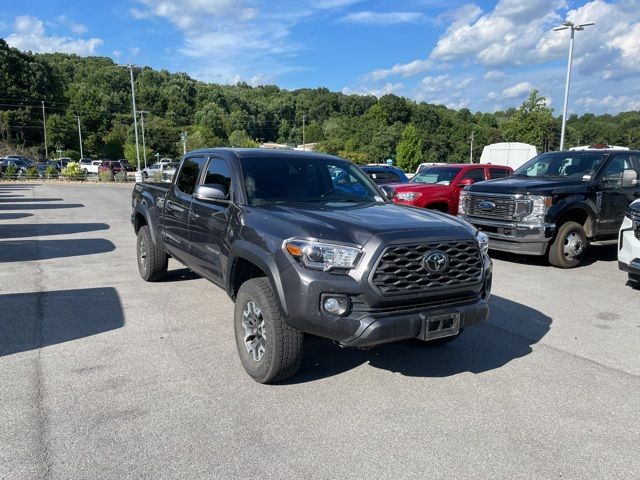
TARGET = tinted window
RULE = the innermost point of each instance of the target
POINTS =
(294, 179)
(219, 175)
(499, 172)
(477, 175)
(562, 164)
(383, 176)
(189, 174)
(613, 173)
(437, 175)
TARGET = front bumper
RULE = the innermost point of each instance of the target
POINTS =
(514, 237)
(385, 320)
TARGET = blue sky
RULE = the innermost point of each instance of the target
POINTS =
(484, 55)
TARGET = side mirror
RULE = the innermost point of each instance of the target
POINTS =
(629, 178)
(466, 182)
(389, 191)
(210, 193)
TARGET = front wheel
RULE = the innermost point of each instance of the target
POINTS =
(269, 348)
(569, 247)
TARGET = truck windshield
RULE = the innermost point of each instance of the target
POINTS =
(436, 175)
(562, 164)
(307, 179)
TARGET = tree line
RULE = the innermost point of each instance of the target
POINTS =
(362, 128)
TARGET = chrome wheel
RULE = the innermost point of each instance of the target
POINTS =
(254, 335)
(143, 253)
(573, 245)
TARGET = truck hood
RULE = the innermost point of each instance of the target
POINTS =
(534, 185)
(357, 223)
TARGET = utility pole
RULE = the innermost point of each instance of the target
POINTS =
(135, 116)
(44, 124)
(144, 145)
(80, 136)
(573, 27)
(471, 149)
(304, 121)
(183, 137)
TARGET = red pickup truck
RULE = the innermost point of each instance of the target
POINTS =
(438, 187)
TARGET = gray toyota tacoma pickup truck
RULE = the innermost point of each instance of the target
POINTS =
(307, 243)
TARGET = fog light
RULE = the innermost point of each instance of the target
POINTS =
(335, 304)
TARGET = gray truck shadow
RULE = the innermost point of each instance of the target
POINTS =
(34, 320)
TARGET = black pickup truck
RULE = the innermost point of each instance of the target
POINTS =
(556, 204)
(307, 243)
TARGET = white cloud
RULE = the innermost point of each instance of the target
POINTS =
(235, 38)
(29, 35)
(494, 76)
(517, 91)
(116, 53)
(610, 103)
(377, 92)
(389, 18)
(77, 28)
(403, 69)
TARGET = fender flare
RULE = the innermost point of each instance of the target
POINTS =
(241, 249)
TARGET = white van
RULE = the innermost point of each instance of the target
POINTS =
(510, 154)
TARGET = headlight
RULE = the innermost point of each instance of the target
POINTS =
(462, 202)
(323, 256)
(538, 208)
(483, 242)
(407, 196)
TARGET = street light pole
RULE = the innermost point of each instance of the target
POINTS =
(573, 27)
(471, 149)
(44, 124)
(135, 115)
(144, 145)
(304, 121)
(80, 136)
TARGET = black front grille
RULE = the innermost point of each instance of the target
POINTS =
(400, 268)
(503, 206)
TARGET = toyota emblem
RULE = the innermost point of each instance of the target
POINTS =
(435, 261)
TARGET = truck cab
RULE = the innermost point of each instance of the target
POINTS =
(556, 204)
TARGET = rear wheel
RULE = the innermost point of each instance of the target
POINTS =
(152, 261)
(269, 348)
(569, 247)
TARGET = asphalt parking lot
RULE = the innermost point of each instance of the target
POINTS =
(105, 376)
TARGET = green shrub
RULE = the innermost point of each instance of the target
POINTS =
(10, 172)
(120, 177)
(73, 172)
(32, 172)
(157, 176)
(51, 172)
(105, 176)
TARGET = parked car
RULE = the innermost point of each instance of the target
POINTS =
(438, 187)
(85, 163)
(20, 164)
(169, 172)
(57, 164)
(110, 166)
(384, 174)
(93, 167)
(629, 244)
(297, 254)
(64, 161)
(21, 158)
(152, 170)
(511, 154)
(556, 204)
(127, 166)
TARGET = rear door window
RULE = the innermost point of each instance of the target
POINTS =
(189, 174)
(498, 172)
(477, 175)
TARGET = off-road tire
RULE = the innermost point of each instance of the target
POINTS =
(152, 261)
(283, 344)
(557, 255)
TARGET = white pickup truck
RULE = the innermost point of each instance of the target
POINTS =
(629, 244)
